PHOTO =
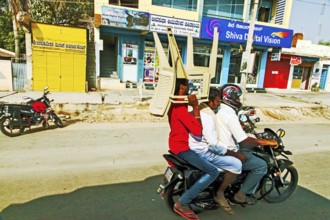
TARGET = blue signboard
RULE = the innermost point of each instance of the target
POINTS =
(235, 31)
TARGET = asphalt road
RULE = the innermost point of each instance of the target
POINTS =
(111, 171)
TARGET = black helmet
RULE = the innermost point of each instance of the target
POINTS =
(230, 95)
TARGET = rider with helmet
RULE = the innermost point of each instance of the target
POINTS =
(232, 135)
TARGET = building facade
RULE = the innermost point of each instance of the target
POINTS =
(125, 49)
(299, 67)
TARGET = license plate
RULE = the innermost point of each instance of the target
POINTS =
(168, 174)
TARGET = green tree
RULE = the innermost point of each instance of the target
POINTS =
(325, 43)
(62, 12)
(7, 40)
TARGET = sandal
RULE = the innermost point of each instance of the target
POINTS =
(247, 201)
(225, 205)
(188, 215)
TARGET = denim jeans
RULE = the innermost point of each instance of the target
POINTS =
(223, 162)
(257, 169)
(211, 173)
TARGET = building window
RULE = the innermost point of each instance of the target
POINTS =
(125, 3)
(189, 5)
(280, 9)
(232, 9)
(265, 11)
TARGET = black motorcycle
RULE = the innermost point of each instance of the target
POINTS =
(276, 186)
(17, 117)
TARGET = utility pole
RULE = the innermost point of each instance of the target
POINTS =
(317, 38)
(247, 62)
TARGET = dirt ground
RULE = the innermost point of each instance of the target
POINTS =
(128, 113)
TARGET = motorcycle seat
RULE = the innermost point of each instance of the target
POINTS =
(178, 161)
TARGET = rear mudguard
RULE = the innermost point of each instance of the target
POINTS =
(177, 176)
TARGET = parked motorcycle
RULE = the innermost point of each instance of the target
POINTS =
(248, 118)
(276, 186)
(2, 109)
(17, 117)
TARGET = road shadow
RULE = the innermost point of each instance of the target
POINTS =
(138, 200)
(52, 126)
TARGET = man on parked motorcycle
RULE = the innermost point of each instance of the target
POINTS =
(232, 135)
(182, 123)
(209, 148)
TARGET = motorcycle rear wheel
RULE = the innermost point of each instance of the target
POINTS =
(281, 192)
(172, 194)
(8, 129)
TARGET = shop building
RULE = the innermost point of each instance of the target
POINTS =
(299, 67)
(125, 49)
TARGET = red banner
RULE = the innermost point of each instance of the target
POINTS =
(295, 60)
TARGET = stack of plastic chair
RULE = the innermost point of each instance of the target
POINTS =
(164, 93)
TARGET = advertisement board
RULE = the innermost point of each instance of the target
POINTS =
(236, 31)
(59, 58)
(123, 18)
(56, 38)
(179, 26)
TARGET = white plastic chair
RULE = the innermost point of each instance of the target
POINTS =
(164, 92)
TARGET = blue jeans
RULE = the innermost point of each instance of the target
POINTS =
(223, 162)
(211, 173)
(257, 169)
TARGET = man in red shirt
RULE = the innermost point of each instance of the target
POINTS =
(182, 123)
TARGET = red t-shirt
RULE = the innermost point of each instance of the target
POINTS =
(182, 123)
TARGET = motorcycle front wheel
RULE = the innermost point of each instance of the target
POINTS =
(280, 191)
(172, 194)
(57, 121)
(7, 127)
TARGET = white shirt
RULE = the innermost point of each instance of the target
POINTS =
(210, 135)
(229, 127)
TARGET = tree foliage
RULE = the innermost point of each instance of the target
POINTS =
(7, 40)
(325, 43)
(59, 12)
(62, 12)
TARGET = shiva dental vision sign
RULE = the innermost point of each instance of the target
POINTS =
(235, 31)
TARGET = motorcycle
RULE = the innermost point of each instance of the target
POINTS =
(2, 107)
(248, 119)
(276, 186)
(17, 117)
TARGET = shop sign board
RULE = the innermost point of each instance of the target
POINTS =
(180, 27)
(295, 60)
(55, 38)
(237, 32)
(275, 57)
(123, 18)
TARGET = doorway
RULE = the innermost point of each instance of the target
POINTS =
(305, 78)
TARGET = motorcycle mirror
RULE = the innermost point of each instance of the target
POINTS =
(46, 88)
(280, 133)
(243, 118)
